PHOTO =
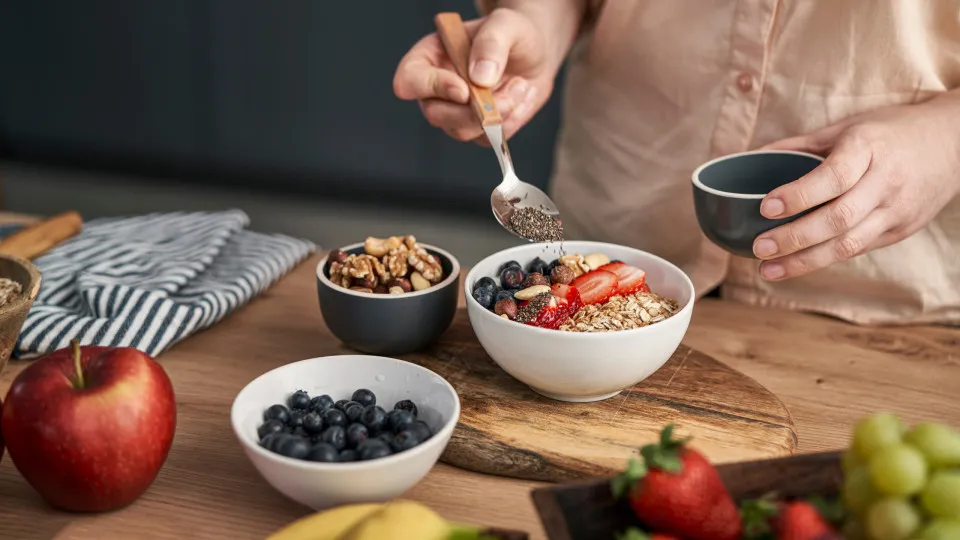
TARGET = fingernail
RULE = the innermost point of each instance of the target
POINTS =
(771, 208)
(518, 91)
(764, 247)
(457, 93)
(484, 72)
(772, 271)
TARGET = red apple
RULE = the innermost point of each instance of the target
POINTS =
(89, 428)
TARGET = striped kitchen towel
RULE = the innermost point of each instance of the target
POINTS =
(150, 281)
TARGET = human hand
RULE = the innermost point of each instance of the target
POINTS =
(887, 173)
(508, 55)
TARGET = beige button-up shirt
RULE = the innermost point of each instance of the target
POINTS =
(655, 88)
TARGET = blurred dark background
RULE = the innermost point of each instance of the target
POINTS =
(284, 109)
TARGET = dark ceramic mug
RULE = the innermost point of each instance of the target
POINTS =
(390, 324)
(727, 192)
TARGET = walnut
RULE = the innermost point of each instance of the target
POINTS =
(396, 261)
(378, 247)
(365, 267)
(338, 274)
(426, 264)
(410, 242)
(576, 263)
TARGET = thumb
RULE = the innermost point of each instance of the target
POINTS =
(505, 37)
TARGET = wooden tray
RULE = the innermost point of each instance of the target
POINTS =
(588, 511)
(506, 429)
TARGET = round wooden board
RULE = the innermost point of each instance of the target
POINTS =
(506, 429)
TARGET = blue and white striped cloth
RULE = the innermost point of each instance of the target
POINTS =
(150, 281)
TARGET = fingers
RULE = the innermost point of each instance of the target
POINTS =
(829, 221)
(870, 234)
(845, 166)
(505, 37)
(817, 142)
(515, 102)
(419, 75)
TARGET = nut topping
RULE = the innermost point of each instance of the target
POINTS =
(386, 266)
(575, 262)
(530, 292)
(596, 260)
(378, 247)
(425, 264)
(419, 282)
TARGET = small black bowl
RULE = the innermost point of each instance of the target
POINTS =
(727, 192)
(390, 324)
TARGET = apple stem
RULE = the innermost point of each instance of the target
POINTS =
(76, 362)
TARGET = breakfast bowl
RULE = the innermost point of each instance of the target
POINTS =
(727, 193)
(13, 312)
(319, 484)
(391, 324)
(581, 366)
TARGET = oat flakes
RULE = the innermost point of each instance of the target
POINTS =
(622, 313)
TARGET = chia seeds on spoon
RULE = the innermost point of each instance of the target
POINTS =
(536, 225)
(529, 311)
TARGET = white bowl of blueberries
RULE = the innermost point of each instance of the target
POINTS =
(345, 429)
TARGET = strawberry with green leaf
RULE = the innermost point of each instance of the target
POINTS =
(676, 490)
(634, 533)
(766, 518)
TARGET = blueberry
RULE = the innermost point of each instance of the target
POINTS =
(321, 403)
(293, 447)
(553, 264)
(373, 417)
(385, 437)
(278, 412)
(353, 410)
(299, 400)
(511, 278)
(373, 449)
(398, 421)
(365, 397)
(485, 296)
(323, 452)
(404, 440)
(509, 264)
(300, 432)
(348, 455)
(406, 405)
(356, 434)
(312, 423)
(335, 436)
(270, 426)
(484, 283)
(295, 419)
(502, 294)
(539, 266)
(421, 430)
(270, 440)
(341, 404)
(334, 417)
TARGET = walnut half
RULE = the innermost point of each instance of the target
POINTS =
(426, 264)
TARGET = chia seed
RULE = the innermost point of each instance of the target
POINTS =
(536, 225)
(529, 311)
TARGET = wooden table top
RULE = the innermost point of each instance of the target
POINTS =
(827, 372)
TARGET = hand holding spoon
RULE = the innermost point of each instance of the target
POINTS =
(521, 208)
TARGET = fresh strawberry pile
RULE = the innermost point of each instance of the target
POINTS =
(677, 494)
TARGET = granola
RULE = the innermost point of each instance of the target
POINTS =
(622, 313)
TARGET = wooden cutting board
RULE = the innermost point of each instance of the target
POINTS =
(506, 429)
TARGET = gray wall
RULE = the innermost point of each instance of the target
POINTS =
(285, 95)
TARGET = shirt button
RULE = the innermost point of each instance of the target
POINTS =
(745, 82)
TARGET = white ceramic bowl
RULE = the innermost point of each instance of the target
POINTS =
(323, 485)
(574, 366)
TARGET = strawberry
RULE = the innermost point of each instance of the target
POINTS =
(634, 533)
(630, 279)
(795, 520)
(674, 489)
(596, 286)
(564, 303)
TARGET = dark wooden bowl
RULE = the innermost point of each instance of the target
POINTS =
(588, 511)
(13, 314)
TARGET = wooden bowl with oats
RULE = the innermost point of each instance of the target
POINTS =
(19, 285)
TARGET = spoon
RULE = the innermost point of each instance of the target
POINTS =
(512, 194)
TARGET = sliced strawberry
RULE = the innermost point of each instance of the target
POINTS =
(596, 286)
(645, 288)
(630, 279)
(564, 303)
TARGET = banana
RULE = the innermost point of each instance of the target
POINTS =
(326, 525)
(400, 520)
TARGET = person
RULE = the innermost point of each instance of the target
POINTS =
(653, 89)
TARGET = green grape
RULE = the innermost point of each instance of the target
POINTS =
(941, 496)
(898, 470)
(853, 530)
(941, 529)
(875, 432)
(850, 461)
(939, 443)
(858, 490)
(892, 519)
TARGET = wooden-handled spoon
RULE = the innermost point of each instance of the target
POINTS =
(38, 238)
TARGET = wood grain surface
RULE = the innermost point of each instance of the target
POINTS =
(508, 430)
(827, 372)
